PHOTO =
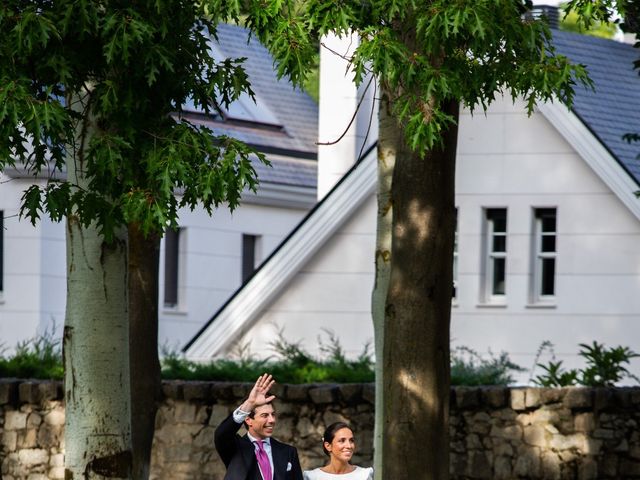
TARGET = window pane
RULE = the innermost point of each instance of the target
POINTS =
(548, 276)
(548, 243)
(248, 256)
(498, 276)
(171, 249)
(500, 223)
(499, 243)
(549, 222)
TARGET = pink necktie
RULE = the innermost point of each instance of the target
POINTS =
(263, 461)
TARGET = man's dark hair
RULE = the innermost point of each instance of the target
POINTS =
(252, 413)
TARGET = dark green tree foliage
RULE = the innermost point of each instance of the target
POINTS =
(428, 52)
(137, 64)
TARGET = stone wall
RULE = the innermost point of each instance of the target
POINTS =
(496, 432)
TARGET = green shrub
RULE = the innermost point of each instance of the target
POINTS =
(40, 357)
(604, 368)
(470, 369)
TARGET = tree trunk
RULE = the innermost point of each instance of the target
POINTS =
(388, 146)
(143, 352)
(95, 343)
(417, 314)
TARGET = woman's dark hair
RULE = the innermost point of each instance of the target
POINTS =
(330, 433)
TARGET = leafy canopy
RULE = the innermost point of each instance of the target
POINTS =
(102, 84)
(427, 53)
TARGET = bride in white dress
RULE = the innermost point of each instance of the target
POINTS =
(338, 443)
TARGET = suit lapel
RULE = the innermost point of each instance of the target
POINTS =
(248, 453)
(279, 454)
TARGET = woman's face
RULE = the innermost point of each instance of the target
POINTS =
(342, 446)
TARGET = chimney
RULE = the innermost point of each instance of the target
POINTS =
(338, 101)
(551, 12)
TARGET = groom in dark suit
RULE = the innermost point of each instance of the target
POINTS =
(256, 456)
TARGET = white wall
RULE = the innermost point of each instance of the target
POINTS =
(505, 159)
(210, 262)
(34, 271)
(34, 296)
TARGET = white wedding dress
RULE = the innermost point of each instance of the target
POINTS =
(358, 474)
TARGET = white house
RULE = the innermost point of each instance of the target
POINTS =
(548, 234)
(548, 225)
(205, 261)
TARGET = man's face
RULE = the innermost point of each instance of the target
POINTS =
(263, 421)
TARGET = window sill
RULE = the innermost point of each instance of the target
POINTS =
(492, 305)
(177, 311)
(541, 305)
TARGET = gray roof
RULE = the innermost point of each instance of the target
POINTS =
(613, 108)
(291, 147)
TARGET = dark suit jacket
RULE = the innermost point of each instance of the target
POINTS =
(238, 455)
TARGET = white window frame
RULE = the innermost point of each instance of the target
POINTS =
(539, 256)
(491, 256)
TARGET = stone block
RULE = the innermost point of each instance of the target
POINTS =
(577, 397)
(27, 438)
(28, 392)
(15, 420)
(527, 463)
(535, 435)
(575, 441)
(587, 469)
(8, 391)
(509, 432)
(467, 397)
(629, 468)
(33, 456)
(323, 394)
(297, 393)
(218, 414)
(517, 399)
(172, 389)
(241, 390)
(9, 441)
(34, 420)
(196, 391)
(550, 466)
(369, 393)
(502, 468)
(479, 465)
(56, 473)
(56, 460)
(350, 393)
(622, 397)
(603, 399)
(49, 436)
(551, 395)
(330, 417)
(545, 416)
(184, 412)
(48, 391)
(584, 422)
(532, 398)
(494, 397)
(223, 391)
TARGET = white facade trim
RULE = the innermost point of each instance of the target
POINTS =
(245, 307)
(593, 153)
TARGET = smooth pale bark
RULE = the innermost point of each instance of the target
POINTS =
(416, 366)
(389, 140)
(143, 351)
(96, 341)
